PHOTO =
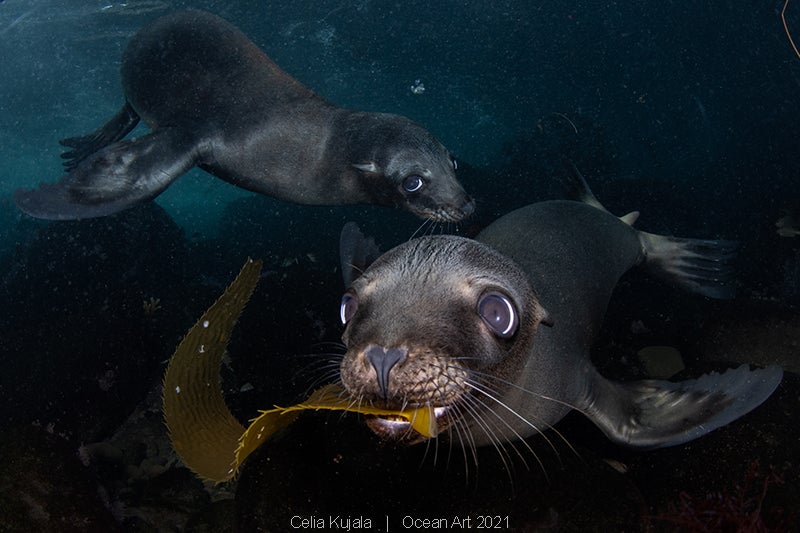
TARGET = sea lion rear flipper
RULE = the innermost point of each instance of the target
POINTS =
(115, 178)
(578, 189)
(356, 252)
(655, 414)
(698, 265)
(112, 131)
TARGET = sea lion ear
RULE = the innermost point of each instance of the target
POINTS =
(356, 252)
(369, 167)
(544, 317)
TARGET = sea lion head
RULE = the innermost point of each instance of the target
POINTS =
(401, 164)
(426, 324)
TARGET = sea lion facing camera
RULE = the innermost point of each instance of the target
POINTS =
(213, 99)
(496, 333)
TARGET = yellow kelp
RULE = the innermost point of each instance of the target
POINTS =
(206, 435)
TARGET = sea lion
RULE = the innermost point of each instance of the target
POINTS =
(495, 333)
(213, 99)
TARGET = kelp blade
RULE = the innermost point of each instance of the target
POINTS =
(333, 397)
(206, 435)
(330, 397)
(203, 430)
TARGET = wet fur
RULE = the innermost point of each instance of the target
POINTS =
(422, 297)
(450, 349)
(214, 100)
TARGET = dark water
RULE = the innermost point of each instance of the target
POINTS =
(686, 111)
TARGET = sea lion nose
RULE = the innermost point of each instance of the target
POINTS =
(469, 207)
(383, 361)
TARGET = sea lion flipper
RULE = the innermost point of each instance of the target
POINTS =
(112, 131)
(577, 188)
(698, 265)
(655, 414)
(114, 178)
(356, 252)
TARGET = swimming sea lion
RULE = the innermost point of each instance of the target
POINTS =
(496, 332)
(213, 99)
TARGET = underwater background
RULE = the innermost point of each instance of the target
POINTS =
(686, 111)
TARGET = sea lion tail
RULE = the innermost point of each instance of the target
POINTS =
(114, 178)
(655, 414)
(698, 265)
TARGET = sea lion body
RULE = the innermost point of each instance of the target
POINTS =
(573, 254)
(496, 333)
(213, 99)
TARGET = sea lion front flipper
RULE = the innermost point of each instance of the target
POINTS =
(655, 414)
(114, 178)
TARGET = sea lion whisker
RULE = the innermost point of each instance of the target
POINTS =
(436, 223)
(488, 409)
(528, 391)
(428, 445)
(331, 356)
(514, 412)
(320, 370)
(466, 442)
(481, 406)
(420, 227)
(336, 344)
(322, 361)
(466, 358)
(475, 414)
(531, 424)
(320, 380)
(343, 392)
(543, 397)
(500, 446)
(456, 423)
(357, 399)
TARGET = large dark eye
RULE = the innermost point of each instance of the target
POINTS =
(413, 183)
(499, 314)
(348, 307)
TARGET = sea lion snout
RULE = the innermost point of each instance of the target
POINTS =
(468, 207)
(383, 361)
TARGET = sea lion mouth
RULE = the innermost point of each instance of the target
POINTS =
(398, 430)
(447, 213)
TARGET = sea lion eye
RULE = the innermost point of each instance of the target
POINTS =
(498, 313)
(348, 307)
(413, 183)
